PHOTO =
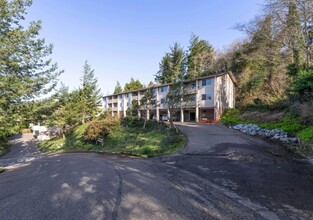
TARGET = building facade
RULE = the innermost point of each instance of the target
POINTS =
(209, 95)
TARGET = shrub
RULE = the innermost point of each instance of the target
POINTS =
(26, 131)
(302, 87)
(306, 113)
(99, 129)
(131, 121)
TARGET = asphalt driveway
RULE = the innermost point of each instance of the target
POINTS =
(257, 169)
(201, 182)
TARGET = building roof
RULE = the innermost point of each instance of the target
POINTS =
(184, 81)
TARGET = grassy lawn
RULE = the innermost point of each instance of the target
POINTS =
(147, 142)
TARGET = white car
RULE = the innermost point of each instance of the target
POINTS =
(164, 118)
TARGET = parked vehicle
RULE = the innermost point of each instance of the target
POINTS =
(164, 118)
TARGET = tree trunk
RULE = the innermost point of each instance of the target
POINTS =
(171, 122)
(63, 131)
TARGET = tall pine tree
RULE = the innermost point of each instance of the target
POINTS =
(200, 57)
(26, 70)
(133, 85)
(118, 89)
(90, 95)
(172, 67)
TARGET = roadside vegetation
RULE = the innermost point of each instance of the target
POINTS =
(125, 136)
(275, 119)
(4, 147)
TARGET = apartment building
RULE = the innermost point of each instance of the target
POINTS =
(209, 95)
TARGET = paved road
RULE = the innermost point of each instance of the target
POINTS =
(251, 167)
(101, 186)
(24, 151)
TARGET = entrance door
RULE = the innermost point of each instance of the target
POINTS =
(192, 116)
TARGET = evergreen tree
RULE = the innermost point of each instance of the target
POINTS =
(200, 57)
(133, 85)
(26, 70)
(118, 89)
(178, 60)
(164, 73)
(172, 67)
(293, 33)
(89, 94)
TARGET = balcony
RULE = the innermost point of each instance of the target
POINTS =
(190, 90)
(189, 104)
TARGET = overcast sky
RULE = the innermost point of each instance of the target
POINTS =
(127, 38)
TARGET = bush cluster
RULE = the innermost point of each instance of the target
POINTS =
(134, 122)
(100, 129)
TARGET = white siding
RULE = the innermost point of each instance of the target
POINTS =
(224, 95)
(221, 89)
(162, 95)
(206, 90)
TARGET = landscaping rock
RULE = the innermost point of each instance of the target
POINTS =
(275, 134)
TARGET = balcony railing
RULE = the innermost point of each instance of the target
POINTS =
(189, 104)
(190, 90)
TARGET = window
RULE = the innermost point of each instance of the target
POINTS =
(206, 97)
(203, 82)
(209, 97)
(162, 101)
(206, 82)
(203, 97)
(193, 98)
(193, 85)
(121, 96)
(164, 89)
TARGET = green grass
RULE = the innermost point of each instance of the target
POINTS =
(306, 134)
(124, 139)
(288, 124)
(4, 147)
(232, 117)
